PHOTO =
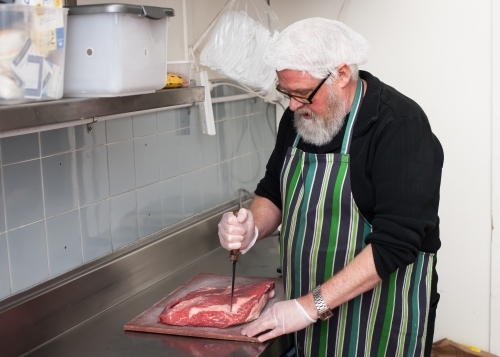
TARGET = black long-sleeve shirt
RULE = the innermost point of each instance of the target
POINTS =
(395, 163)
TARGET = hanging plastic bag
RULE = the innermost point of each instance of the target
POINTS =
(238, 40)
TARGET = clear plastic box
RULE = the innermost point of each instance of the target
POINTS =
(116, 50)
(32, 53)
(182, 69)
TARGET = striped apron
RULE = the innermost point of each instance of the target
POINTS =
(322, 231)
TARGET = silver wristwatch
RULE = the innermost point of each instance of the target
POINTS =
(324, 312)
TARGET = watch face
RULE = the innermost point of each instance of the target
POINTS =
(325, 315)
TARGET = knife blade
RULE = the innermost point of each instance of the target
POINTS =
(233, 256)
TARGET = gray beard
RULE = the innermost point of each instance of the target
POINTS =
(317, 130)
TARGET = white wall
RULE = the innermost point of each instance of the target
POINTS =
(495, 251)
(438, 52)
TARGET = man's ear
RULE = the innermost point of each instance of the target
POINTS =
(344, 75)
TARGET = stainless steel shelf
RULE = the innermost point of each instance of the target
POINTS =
(30, 115)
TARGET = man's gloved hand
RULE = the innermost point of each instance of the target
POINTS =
(283, 317)
(237, 232)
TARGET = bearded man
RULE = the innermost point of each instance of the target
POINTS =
(354, 181)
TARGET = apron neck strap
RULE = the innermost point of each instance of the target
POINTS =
(356, 104)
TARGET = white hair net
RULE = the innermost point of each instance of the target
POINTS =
(317, 45)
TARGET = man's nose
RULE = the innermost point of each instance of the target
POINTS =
(295, 104)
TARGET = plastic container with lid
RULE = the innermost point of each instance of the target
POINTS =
(32, 53)
(116, 50)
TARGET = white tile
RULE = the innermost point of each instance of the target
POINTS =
(226, 180)
(167, 120)
(241, 108)
(261, 132)
(223, 111)
(191, 193)
(23, 193)
(60, 183)
(144, 124)
(169, 150)
(92, 171)
(124, 219)
(4, 268)
(187, 117)
(243, 175)
(210, 186)
(225, 134)
(257, 105)
(96, 230)
(171, 201)
(195, 114)
(241, 136)
(190, 148)
(209, 150)
(65, 244)
(257, 166)
(57, 141)
(19, 148)
(28, 256)
(85, 139)
(2, 211)
(146, 160)
(149, 210)
(121, 167)
(119, 129)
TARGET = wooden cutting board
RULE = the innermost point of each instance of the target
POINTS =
(148, 320)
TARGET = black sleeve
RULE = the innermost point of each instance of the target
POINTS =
(269, 186)
(406, 177)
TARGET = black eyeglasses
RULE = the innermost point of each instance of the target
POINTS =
(301, 99)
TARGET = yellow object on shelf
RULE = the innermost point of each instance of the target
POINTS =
(174, 81)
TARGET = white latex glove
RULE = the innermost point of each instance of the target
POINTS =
(283, 317)
(238, 232)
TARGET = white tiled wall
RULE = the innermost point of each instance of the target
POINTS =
(68, 196)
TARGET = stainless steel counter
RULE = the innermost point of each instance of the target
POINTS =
(103, 335)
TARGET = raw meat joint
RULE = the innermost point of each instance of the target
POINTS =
(209, 307)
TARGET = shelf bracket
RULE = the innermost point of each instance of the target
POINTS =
(89, 125)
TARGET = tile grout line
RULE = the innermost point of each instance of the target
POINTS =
(109, 187)
(78, 203)
(135, 181)
(43, 205)
(11, 289)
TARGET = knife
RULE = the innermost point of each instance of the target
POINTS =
(233, 256)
